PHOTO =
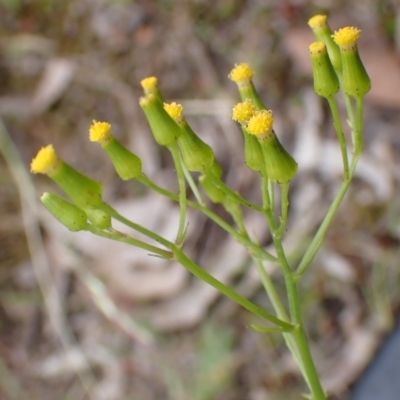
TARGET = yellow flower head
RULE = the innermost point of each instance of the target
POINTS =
(46, 161)
(317, 21)
(346, 37)
(241, 72)
(242, 112)
(175, 111)
(99, 131)
(149, 83)
(317, 48)
(260, 123)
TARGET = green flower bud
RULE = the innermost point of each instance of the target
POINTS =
(326, 82)
(253, 154)
(241, 75)
(242, 112)
(323, 33)
(196, 155)
(280, 167)
(83, 191)
(72, 217)
(98, 218)
(127, 165)
(164, 128)
(355, 80)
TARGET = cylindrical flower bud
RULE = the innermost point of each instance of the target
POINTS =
(323, 33)
(72, 217)
(241, 75)
(150, 86)
(196, 155)
(127, 165)
(164, 128)
(83, 191)
(355, 80)
(280, 167)
(326, 82)
(253, 155)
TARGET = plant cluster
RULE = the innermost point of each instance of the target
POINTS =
(336, 66)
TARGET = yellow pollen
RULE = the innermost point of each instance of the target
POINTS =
(317, 21)
(99, 131)
(242, 112)
(174, 110)
(260, 123)
(46, 161)
(346, 37)
(149, 83)
(317, 48)
(241, 72)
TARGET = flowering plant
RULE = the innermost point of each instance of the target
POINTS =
(336, 65)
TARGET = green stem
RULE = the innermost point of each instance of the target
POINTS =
(271, 191)
(298, 334)
(359, 126)
(265, 278)
(349, 110)
(229, 192)
(339, 131)
(254, 249)
(192, 267)
(319, 236)
(192, 185)
(180, 237)
(199, 272)
(121, 237)
(139, 228)
(284, 209)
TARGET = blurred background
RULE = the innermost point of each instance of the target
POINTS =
(86, 318)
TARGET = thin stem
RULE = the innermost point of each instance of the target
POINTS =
(221, 185)
(349, 110)
(139, 228)
(271, 191)
(265, 278)
(256, 250)
(192, 185)
(199, 272)
(121, 237)
(284, 209)
(298, 334)
(359, 126)
(319, 236)
(180, 237)
(339, 131)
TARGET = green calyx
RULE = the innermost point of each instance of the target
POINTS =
(253, 154)
(72, 217)
(355, 80)
(127, 165)
(280, 167)
(165, 129)
(82, 190)
(326, 82)
(196, 155)
(324, 34)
